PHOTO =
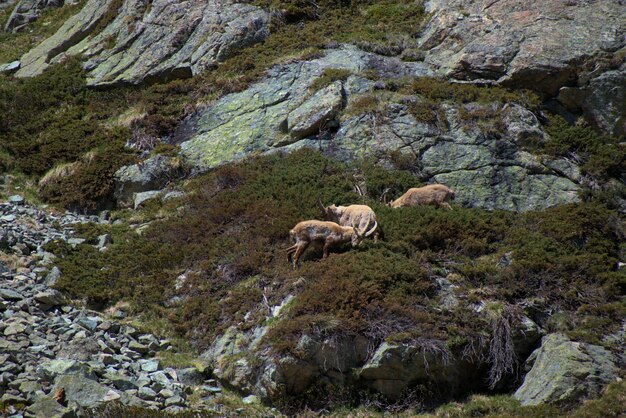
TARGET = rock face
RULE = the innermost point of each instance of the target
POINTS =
(524, 43)
(605, 101)
(538, 45)
(240, 359)
(487, 169)
(257, 118)
(563, 371)
(162, 40)
(543, 46)
(139, 182)
(27, 11)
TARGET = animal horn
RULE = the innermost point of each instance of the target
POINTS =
(321, 205)
(383, 196)
(371, 231)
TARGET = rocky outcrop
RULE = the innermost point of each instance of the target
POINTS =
(487, 165)
(258, 118)
(27, 11)
(527, 44)
(602, 99)
(563, 371)
(544, 46)
(486, 170)
(134, 184)
(240, 358)
(10, 67)
(132, 41)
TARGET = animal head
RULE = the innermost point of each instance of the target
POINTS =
(328, 212)
(383, 197)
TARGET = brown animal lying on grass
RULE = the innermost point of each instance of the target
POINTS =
(361, 217)
(433, 194)
(329, 233)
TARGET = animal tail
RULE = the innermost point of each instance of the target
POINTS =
(371, 231)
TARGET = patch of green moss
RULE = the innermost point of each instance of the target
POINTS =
(329, 76)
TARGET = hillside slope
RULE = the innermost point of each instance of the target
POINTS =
(197, 134)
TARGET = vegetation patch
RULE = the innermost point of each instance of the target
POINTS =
(228, 236)
(602, 157)
(54, 125)
(13, 45)
(329, 76)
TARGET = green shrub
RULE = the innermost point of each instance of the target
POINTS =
(603, 157)
(89, 185)
(365, 103)
(53, 118)
(611, 403)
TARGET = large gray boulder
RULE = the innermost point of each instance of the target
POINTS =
(10, 67)
(149, 175)
(85, 392)
(49, 370)
(563, 371)
(169, 39)
(47, 407)
(280, 108)
(393, 368)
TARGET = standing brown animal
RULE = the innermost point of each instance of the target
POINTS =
(433, 194)
(330, 233)
(361, 217)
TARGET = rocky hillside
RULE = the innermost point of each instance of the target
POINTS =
(186, 138)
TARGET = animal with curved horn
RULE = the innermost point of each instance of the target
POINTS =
(361, 217)
(329, 233)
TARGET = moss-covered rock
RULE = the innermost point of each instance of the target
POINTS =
(564, 372)
(128, 42)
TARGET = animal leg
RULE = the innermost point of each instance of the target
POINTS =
(299, 251)
(327, 245)
(290, 251)
(446, 206)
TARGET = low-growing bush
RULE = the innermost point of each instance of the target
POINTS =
(229, 234)
(439, 90)
(602, 157)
